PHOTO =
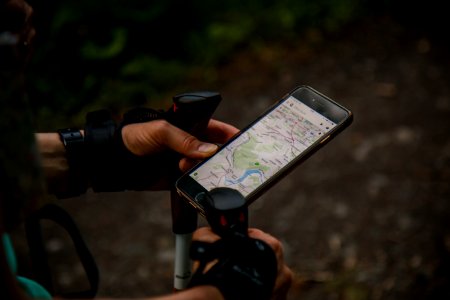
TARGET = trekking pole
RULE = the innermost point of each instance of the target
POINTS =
(190, 112)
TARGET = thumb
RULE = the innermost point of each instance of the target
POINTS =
(156, 136)
(187, 144)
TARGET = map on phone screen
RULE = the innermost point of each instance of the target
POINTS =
(265, 148)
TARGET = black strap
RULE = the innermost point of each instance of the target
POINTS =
(39, 258)
(99, 134)
(73, 142)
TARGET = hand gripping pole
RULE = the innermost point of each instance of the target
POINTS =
(240, 267)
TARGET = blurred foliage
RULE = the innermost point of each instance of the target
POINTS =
(119, 53)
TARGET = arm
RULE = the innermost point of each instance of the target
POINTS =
(143, 139)
(195, 293)
(54, 161)
(205, 292)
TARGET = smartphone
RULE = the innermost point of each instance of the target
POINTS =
(269, 148)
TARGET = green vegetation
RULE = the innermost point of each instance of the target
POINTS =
(118, 53)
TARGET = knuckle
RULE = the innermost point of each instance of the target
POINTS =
(205, 234)
(161, 126)
(188, 141)
(203, 230)
(275, 244)
(289, 274)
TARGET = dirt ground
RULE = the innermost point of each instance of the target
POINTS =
(367, 217)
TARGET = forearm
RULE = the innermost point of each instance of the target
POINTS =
(196, 293)
(205, 292)
(54, 162)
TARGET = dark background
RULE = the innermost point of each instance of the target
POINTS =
(367, 217)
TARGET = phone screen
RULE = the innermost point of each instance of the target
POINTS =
(265, 148)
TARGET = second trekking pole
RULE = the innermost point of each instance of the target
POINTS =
(190, 112)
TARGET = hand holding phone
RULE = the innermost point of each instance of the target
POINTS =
(269, 148)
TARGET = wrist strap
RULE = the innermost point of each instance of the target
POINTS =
(141, 115)
(137, 172)
(100, 159)
(110, 165)
(73, 142)
(99, 138)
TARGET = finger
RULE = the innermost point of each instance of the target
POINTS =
(282, 284)
(156, 136)
(275, 244)
(220, 132)
(270, 240)
(205, 234)
(183, 142)
(186, 164)
(284, 273)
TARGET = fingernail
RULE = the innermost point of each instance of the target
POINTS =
(207, 148)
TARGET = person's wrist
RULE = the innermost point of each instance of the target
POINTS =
(73, 141)
(111, 165)
(209, 292)
(212, 292)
